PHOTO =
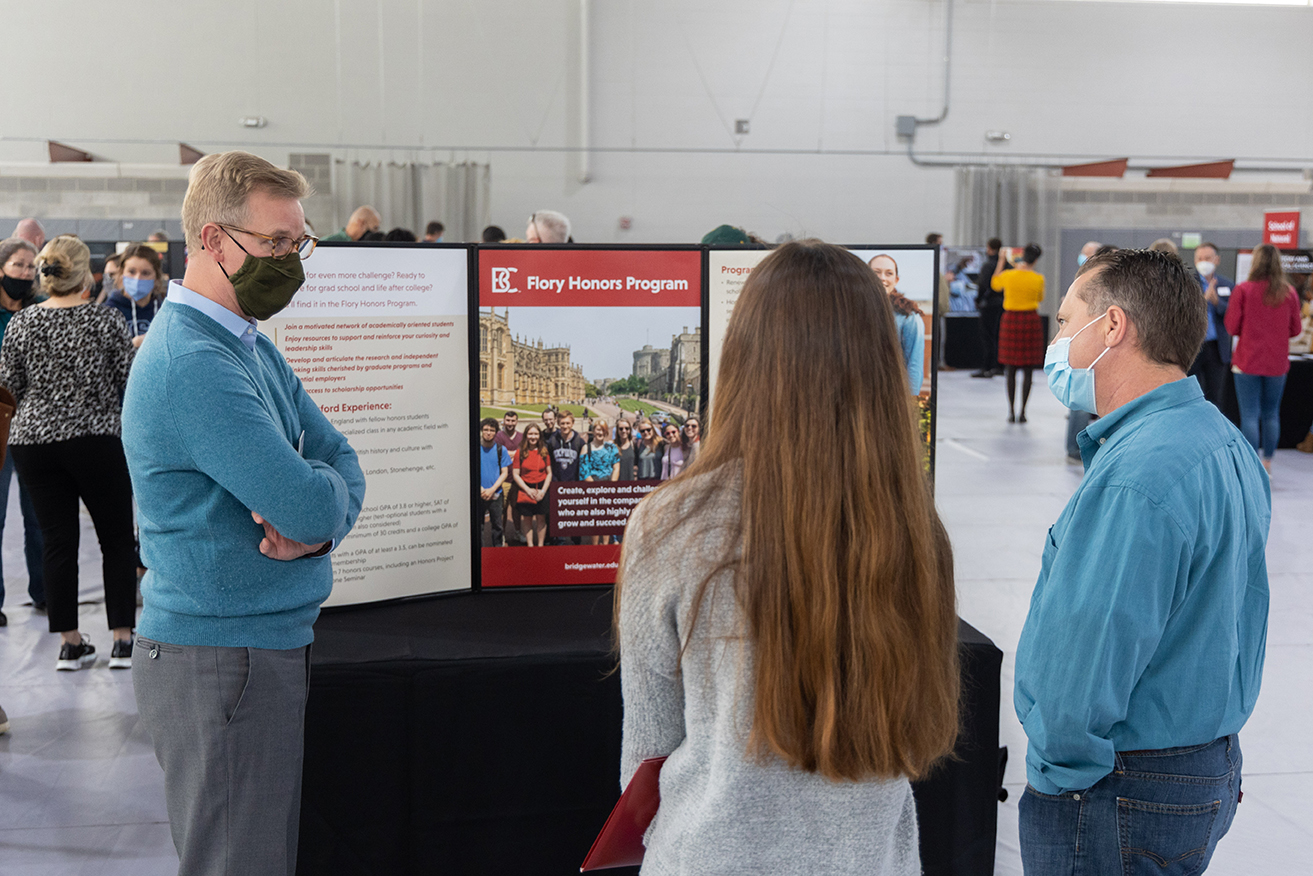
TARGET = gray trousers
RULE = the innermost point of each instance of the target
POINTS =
(227, 725)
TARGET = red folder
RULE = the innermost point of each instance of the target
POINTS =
(620, 844)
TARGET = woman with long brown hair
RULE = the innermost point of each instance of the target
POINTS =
(792, 648)
(1264, 315)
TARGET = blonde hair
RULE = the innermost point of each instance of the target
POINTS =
(220, 185)
(64, 265)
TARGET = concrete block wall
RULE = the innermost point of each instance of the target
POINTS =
(94, 201)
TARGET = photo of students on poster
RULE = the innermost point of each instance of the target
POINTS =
(910, 278)
(590, 374)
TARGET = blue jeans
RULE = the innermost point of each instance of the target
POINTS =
(1158, 812)
(1260, 409)
(32, 543)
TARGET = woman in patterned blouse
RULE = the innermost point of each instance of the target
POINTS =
(67, 365)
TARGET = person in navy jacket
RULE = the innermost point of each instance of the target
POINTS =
(1214, 357)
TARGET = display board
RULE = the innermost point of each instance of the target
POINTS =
(379, 337)
(915, 274)
(553, 322)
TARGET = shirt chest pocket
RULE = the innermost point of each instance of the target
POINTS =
(1050, 551)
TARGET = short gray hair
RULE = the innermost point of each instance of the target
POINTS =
(553, 227)
(220, 184)
(1160, 296)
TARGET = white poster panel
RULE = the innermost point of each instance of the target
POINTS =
(378, 336)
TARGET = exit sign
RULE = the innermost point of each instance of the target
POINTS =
(1281, 229)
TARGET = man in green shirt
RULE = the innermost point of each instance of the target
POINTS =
(362, 221)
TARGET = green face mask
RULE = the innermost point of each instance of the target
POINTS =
(265, 285)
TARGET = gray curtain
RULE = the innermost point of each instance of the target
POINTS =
(1018, 204)
(413, 194)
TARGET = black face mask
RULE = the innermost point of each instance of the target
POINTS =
(15, 288)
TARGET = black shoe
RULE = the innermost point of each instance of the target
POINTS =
(73, 657)
(121, 656)
(39, 608)
(982, 373)
(4, 621)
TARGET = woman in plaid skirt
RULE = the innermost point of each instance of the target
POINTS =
(1021, 333)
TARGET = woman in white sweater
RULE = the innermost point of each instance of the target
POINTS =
(788, 638)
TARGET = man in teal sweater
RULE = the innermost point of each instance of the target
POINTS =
(243, 489)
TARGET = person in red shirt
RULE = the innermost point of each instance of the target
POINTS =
(532, 473)
(1264, 315)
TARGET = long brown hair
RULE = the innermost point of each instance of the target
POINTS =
(1267, 266)
(847, 587)
(540, 448)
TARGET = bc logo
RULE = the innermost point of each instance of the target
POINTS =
(501, 280)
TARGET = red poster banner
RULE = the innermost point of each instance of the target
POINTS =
(563, 564)
(1281, 229)
(531, 277)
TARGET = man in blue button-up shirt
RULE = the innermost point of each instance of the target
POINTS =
(1142, 653)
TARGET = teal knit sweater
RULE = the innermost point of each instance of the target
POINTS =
(211, 430)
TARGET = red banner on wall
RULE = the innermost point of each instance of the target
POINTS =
(563, 564)
(531, 277)
(1281, 229)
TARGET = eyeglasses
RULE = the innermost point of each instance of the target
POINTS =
(280, 247)
(646, 431)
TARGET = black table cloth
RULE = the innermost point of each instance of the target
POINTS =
(480, 733)
(1296, 402)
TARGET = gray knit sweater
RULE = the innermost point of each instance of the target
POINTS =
(721, 812)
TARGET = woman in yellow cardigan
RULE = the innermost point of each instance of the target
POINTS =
(1021, 333)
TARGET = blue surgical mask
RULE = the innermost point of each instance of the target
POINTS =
(138, 288)
(1081, 260)
(1074, 387)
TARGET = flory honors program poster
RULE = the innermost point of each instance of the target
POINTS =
(552, 324)
(379, 337)
(917, 278)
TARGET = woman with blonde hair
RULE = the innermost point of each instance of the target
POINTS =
(67, 365)
(792, 649)
(650, 452)
(1264, 315)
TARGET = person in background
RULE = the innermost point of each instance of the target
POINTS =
(1021, 332)
(363, 221)
(989, 304)
(67, 365)
(600, 462)
(676, 455)
(138, 293)
(1142, 652)
(400, 235)
(4, 722)
(17, 271)
(375, 236)
(1078, 420)
(494, 471)
(1264, 314)
(493, 234)
(691, 437)
(159, 235)
(532, 473)
(628, 448)
(549, 423)
(908, 319)
(30, 230)
(565, 445)
(1214, 358)
(1165, 245)
(547, 226)
(777, 719)
(650, 453)
(433, 232)
(109, 277)
(936, 239)
(510, 437)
